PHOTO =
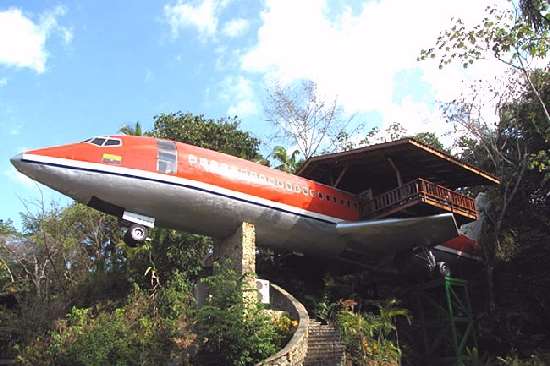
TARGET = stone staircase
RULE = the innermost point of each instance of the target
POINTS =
(324, 347)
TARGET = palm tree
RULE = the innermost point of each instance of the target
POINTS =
(288, 163)
(132, 131)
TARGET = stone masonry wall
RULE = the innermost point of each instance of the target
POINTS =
(294, 353)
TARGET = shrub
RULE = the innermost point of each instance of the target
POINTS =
(369, 337)
(232, 332)
(148, 330)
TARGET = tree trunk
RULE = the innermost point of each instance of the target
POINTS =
(489, 271)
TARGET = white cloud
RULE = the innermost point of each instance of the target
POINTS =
(238, 91)
(3, 82)
(357, 55)
(235, 27)
(203, 16)
(23, 42)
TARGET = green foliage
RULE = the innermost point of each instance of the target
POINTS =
(222, 135)
(430, 139)
(502, 34)
(473, 358)
(369, 337)
(230, 331)
(132, 131)
(6, 227)
(287, 162)
(150, 329)
(169, 251)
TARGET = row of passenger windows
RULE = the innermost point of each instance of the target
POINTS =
(104, 141)
(252, 176)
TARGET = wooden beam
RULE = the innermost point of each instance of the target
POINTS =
(397, 173)
(344, 171)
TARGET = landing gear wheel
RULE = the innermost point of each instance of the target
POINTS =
(135, 235)
(443, 269)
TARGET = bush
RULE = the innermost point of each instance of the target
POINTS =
(150, 329)
(232, 332)
(369, 337)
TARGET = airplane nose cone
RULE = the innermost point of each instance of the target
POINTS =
(16, 161)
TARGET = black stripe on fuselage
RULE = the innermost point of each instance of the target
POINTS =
(188, 186)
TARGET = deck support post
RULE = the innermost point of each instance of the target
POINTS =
(397, 172)
(240, 249)
(341, 175)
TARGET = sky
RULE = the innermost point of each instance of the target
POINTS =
(70, 70)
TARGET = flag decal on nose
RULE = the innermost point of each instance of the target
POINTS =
(112, 159)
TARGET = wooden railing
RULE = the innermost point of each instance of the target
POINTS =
(419, 190)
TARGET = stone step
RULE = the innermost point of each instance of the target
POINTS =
(325, 347)
(324, 362)
(323, 333)
(324, 340)
(332, 361)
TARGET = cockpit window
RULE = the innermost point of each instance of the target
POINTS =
(112, 142)
(104, 141)
(98, 141)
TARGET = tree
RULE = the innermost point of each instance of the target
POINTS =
(6, 227)
(304, 118)
(535, 13)
(430, 139)
(505, 148)
(222, 135)
(132, 131)
(287, 162)
(506, 36)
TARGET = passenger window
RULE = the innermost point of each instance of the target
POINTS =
(167, 157)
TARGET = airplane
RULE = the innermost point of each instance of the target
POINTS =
(146, 181)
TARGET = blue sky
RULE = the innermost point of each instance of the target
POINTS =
(73, 69)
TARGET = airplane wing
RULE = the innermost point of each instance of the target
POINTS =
(397, 234)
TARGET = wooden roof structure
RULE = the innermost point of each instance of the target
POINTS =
(378, 167)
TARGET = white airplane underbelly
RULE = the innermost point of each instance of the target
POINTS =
(192, 206)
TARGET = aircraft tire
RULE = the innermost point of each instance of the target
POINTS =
(137, 233)
(444, 269)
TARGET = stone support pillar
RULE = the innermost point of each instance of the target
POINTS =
(240, 249)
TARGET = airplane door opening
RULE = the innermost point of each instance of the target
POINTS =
(167, 157)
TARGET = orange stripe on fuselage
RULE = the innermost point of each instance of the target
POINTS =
(241, 175)
(218, 169)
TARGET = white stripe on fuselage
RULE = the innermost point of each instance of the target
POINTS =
(174, 179)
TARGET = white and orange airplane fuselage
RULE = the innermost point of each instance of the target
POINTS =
(159, 182)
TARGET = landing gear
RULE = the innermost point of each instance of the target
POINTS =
(420, 262)
(135, 235)
(443, 269)
(138, 227)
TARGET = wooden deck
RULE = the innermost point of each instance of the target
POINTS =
(417, 195)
